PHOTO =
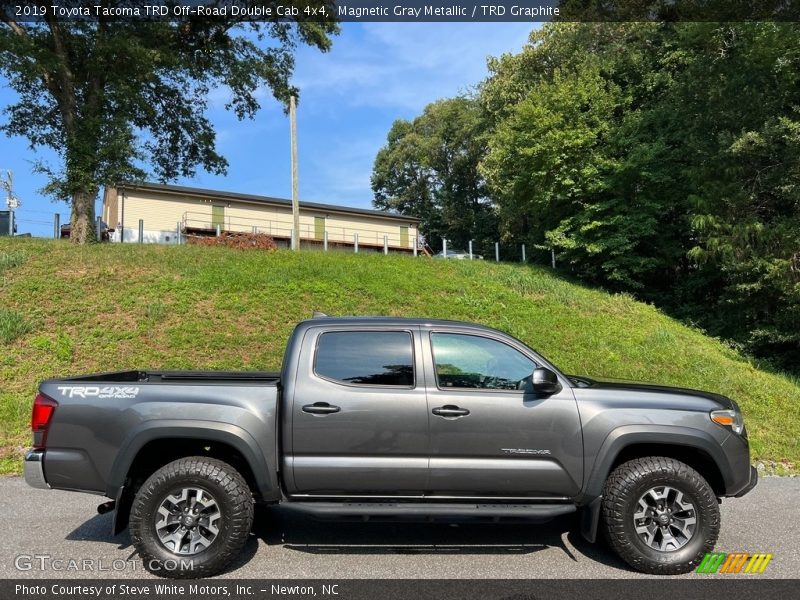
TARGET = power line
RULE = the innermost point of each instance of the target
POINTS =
(33, 222)
(38, 212)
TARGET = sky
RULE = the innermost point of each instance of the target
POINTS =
(374, 74)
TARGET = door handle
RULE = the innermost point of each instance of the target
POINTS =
(320, 408)
(449, 410)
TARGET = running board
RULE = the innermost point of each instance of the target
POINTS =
(372, 511)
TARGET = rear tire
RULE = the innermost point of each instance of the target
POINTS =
(191, 518)
(660, 515)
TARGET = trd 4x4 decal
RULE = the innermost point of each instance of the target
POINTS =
(84, 391)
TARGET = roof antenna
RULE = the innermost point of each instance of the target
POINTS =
(318, 314)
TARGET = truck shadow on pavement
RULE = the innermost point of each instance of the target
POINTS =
(301, 533)
(98, 529)
(277, 526)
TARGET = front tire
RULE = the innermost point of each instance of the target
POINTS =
(191, 518)
(660, 515)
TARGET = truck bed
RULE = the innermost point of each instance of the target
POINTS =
(263, 377)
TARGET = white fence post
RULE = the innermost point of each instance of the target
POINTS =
(444, 247)
(218, 229)
(98, 228)
(497, 251)
(325, 241)
(178, 233)
(141, 230)
(523, 253)
(416, 243)
(470, 249)
(386, 244)
(56, 226)
(355, 242)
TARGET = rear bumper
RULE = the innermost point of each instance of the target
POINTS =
(751, 484)
(34, 469)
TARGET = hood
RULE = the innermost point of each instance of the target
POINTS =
(624, 385)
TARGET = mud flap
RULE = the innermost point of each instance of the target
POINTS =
(590, 519)
(122, 511)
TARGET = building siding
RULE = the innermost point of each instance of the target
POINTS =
(164, 213)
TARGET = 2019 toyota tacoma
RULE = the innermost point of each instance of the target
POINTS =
(389, 417)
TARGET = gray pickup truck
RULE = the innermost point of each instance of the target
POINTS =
(389, 418)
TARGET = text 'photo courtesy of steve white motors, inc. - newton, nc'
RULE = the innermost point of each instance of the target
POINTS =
(141, 589)
(356, 10)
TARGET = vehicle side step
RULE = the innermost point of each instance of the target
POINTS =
(372, 511)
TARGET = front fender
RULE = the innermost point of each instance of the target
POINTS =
(627, 435)
(621, 437)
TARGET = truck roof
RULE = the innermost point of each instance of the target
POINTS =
(320, 318)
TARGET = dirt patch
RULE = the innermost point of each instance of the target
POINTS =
(13, 451)
(238, 241)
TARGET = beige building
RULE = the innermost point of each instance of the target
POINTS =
(169, 213)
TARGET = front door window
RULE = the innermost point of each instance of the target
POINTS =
(475, 362)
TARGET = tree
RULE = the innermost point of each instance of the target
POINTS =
(661, 159)
(429, 168)
(565, 166)
(112, 96)
(743, 84)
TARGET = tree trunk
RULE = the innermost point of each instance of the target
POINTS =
(82, 223)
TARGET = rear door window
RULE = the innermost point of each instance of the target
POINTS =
(383, 358)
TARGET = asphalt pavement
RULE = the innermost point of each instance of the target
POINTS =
(54, 534)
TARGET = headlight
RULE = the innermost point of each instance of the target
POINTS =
(732, 419)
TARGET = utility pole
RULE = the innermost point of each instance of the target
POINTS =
(12, 201)
(295, 193)
(7, 184)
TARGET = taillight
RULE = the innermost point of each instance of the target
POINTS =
(43, 409)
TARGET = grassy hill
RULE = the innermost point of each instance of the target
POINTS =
(67, 310)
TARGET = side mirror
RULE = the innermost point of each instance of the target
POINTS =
(545, 382)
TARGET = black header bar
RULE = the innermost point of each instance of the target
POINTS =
(690, 587)
(410, 11)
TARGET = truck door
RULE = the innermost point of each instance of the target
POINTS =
(359, 414)
(491, 436)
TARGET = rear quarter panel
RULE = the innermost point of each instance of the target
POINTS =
(94, 437)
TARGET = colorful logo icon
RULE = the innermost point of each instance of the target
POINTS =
(736, 562)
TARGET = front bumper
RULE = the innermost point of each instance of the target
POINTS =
(751, 485)
(34, 469)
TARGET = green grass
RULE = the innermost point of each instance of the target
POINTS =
(9, 260)
(124, 307)
(12, 325)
